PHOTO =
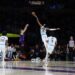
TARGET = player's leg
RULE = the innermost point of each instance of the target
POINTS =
(46, 59)
(3, 55)
(50, 50)
(3, 50)
(47, 54)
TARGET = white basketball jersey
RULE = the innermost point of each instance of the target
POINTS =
(3, 40)
(43, 31)
(43, 34)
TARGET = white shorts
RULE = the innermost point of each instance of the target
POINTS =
(2, 48)
(50, 49)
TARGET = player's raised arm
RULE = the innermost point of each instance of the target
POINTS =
(39, 23)
(25, 28)
(52, 29)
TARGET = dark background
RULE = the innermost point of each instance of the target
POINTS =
(14, 14)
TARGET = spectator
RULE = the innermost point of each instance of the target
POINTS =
(31, 53)
(70, 47)
(37, 51)
(11, 52)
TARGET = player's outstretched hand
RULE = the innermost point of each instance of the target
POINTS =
(34, 14)
(27, 25)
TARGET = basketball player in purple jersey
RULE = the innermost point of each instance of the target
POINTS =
(22, 36)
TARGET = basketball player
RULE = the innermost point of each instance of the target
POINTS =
(3, 44)
(49, 42)
(22, 37)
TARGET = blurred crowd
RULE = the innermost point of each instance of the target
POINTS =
(61, 52)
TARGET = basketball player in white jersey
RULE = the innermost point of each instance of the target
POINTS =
(49, 42)
(3, 44)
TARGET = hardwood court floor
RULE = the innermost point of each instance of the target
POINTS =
(34, 68)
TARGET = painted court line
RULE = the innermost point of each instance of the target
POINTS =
(38, 69)
(60, 67)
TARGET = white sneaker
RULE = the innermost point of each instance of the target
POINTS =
(45, 64)
(38, 59)
(33, 60)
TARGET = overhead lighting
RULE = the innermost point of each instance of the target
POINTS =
(36, 2)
